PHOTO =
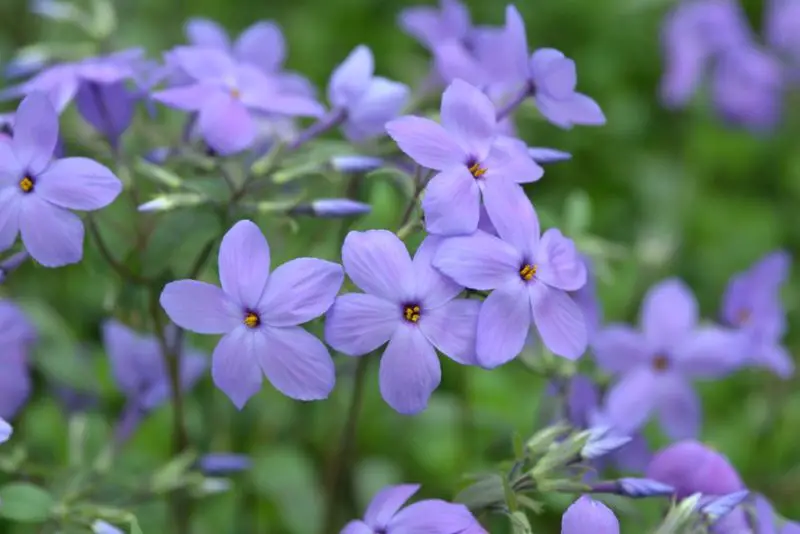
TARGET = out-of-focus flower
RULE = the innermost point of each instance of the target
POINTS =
(107, 107)
(16, 336)
(782, 27)
(407, 303)
(338, 207)
(587, 516)
(690, 467)
(767, 522)
(432, 26)
(37, 192)
(260, 312)
(224, 463)
(655, 366)
(5, 430)
(355, 164)
(367, 101)
(530, 274)
(472, 161)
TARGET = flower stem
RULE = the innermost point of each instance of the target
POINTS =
(120, 268)
(514, 103)
(340, 462)
(12, 264)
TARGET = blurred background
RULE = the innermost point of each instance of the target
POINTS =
(669, 193)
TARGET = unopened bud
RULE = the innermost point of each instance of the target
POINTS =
(339, 207)
(548, 155)
(355, 164)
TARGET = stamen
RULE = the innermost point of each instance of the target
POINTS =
(26, 184)
(252, 320)
(742, 316)
(527, 272)
(476, 170)
(660, 362)
(235, 93)
(411, 313)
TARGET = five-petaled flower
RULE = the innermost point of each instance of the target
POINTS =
(260, 314)
(657, 364)
(472, 159)
(407, 303)
(37, 191)
(531, 277)
(587, 516)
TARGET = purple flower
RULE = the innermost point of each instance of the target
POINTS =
(690, 467)
(431, 26)
(695, 33)
(339, 207)
(109, 108)
(259, 314)
(530, 276)
(752, 303)
(368, 101)
(224, 463)
(227, 94)
(407, 303)
(548, 155)
(16, 336)
(587, 516)
(472, 160)
(386, 515)
(766, 519)
(139, 369)
(36, 191)
(782, 27)
(748, 86)
(550, 76)
(655, 366)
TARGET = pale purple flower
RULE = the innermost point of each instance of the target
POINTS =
(656, 365)
(16, 336)
(386, 515)
(548, 74)
(367, 101)
(109, 108)
(690, 467)
(226, 95)
(339, 207)
(5, 430)
(260, 314)
(37, 191)
(782, 27)
(767, 521)
(139, 368)
(693, 35)
(587, 516)
(531, 275)
(408, 304)
(431, 26)
(356, 164)
(471, 159)
(752, 303)
(747, 85)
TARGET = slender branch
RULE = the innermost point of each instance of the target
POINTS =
(121, 269)
(329, 121)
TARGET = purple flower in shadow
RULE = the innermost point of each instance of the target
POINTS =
(655, 366)
(472, 160)
(531, 275)
(782, 27)
(259, 314)
(587, 516)
(37, 192)
(368, 101)
(431, 26)
(109, 108)
(16, 336)
(227, 94)
(407, 303)
(386, 515)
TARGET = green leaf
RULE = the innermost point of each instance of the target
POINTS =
(177, 239)
(135, 528)
(158, 174)
(488, 491)
(25, 503)
(104, 19)
(172, 475)
(520, 524)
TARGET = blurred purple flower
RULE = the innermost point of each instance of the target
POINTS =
(339, 207)
(782, 27)
(766, 519)
(752, 303)
(16, 336)
(587, 516)
(220, 463)
(37, 191)
(531, 277)
(431, 26)
(103, 527)
(386, 515)
(655, 366)
(690, 467)
(694, 34)
(25, 63)
(407, 303)
(226, 95)
(356, 164)
(5, 430)
(260, 314)
(472, 160)
(368, 101)
(107, 107)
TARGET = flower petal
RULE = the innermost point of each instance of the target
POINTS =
(452, 328)
(10, 169)
(583, 110)
(5, 430)
(53, 236)
(386, 503)
(678, 408)
(188, 97)
(479, 261)
(587, 515)
(381, 102)
(432, 288)
(234, 364)
(297, 363)
(205, 32)
(631, 400)
(244, 259)
(515, 47)
(512, 215)
(432, 516)
(509, 159)
(226, 124)
(669, 313)
(15, 381)
(560, 266)
(559, 321)
(78, 184)
(357, 527)
(711, 352)
(262, 45)
(452, 203)
(503, 324)
(426, 142)
(359, 323)
(35, 133)
(200, 307)
(409, 371)
(299, 291)
(10, 204)
(777, 359)
(469, 116)
(378, 263)
(203, 62)
(126, 356)
(618, 348)
(351, 78)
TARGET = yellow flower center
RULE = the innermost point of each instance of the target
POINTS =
(411, 312)
(660, 362)
(252, 320)
(476, 170)
(527, 272)
(235, 93)
(26, 184)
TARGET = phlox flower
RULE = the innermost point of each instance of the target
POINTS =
(767, 521)
(16, 336)
(259, 314)
(587, 516)
(407, 303)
